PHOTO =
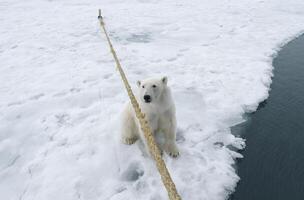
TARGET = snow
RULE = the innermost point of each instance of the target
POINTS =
(61, 96)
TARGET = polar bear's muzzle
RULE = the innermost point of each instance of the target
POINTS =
(147, 98)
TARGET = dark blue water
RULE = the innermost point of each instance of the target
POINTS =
(273, 163)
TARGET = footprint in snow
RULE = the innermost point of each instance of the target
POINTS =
(133, 172)
(140, 38)
(63, 119)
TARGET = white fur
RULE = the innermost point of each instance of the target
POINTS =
(160, 113)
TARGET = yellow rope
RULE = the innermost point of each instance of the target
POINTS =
(154, 151)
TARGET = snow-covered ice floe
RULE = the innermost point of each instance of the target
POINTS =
(60, 96)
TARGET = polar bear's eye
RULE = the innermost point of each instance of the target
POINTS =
(143, 86)
(154, 86)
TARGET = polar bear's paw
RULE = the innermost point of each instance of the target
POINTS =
(173, 151)
(129, 141)
(174, 154)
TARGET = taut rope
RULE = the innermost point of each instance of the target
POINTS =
(154, 151)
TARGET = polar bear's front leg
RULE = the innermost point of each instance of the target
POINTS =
(170, 137)
(128, 136)
(129, 130)
(170, 144)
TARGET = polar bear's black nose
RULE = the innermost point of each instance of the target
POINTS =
(147, 98)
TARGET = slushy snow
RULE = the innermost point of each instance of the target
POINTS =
(61, 97)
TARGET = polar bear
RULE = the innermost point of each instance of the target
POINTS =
(155, 100)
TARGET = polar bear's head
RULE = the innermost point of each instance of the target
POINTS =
(151, 89)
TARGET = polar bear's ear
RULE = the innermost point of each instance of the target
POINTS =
(138, 83)
(164, 80)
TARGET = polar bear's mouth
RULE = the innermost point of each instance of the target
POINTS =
(148, 101)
